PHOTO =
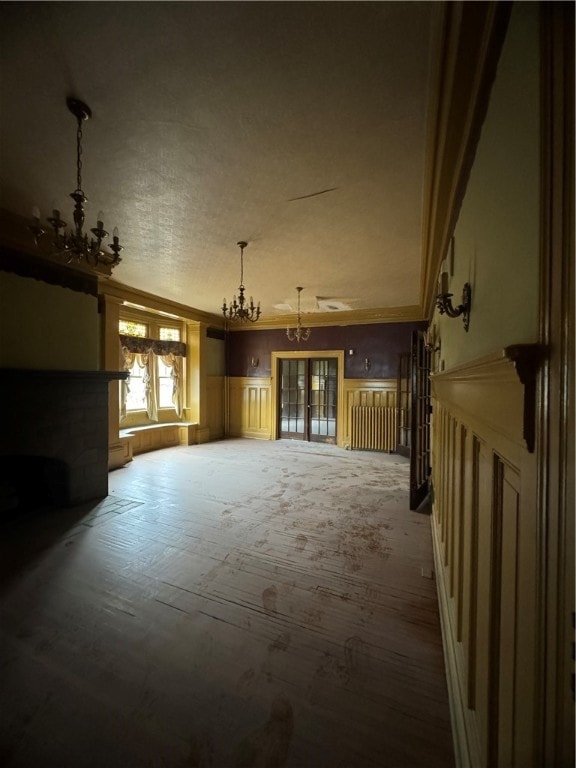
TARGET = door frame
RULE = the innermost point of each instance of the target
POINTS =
(299, 354)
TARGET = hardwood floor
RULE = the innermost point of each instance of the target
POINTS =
(239, 603)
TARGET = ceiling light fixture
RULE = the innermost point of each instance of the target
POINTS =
(298, 334)
(237, 311)
(74, 244)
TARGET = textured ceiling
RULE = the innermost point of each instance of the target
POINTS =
(298, 127)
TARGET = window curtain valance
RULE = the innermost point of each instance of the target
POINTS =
(142, 346)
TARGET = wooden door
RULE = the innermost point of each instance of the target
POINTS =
(404, 404)
(419, 420)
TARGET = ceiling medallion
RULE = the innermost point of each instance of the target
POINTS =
(74, 245)
(237, 311)
(298, 334)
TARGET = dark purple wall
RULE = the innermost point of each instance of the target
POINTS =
(380, 343)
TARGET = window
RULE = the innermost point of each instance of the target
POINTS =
(136, 389)
(169, 334)
(165, 384)
(153, 354)
(131, 328)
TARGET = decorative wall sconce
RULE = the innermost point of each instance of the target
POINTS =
(444, 301)
(254, 362)
(74, 245)
(237, 310)
(298, 333)
(367, 364)
(431, 340)
(351, 352)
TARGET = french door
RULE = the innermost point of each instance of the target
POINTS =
(308, 399)
(419, 420)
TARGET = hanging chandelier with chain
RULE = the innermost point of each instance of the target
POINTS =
(74, 244)
(298, 334)
(239, 310)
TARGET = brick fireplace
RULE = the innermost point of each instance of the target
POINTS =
(54, 438)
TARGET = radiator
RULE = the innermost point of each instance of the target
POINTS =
(373, 428)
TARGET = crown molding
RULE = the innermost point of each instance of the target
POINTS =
(472, 36)
(409, 314)
(150, 302)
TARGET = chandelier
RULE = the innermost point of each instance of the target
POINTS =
(74, 244)
(237, 310)
(298, 334)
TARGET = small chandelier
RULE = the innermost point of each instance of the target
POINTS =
(298, 334)
(74, 244)
(237, 310)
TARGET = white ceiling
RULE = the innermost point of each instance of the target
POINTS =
(299, 127)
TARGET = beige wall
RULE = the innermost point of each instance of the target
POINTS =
(45, 326)
(496, 240)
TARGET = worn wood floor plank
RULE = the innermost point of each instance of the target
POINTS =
(240, 603)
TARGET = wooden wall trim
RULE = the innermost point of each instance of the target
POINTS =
(472, 39)
(486, 393)
(407, 314)
(48, 271)
(556, 417)
(300, 354)
(149, 301)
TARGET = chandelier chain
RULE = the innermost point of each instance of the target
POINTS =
(79, 155)
(298, 334)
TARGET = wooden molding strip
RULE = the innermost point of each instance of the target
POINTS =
(528, 359)
(51, 272)
(149, 301)
(468, 386)
(406, 314)
(472, 39)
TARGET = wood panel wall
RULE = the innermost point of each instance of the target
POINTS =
(215, 394)
(249, 407)
(251, 404)
(487, 561)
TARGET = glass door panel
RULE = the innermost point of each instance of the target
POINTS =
(293, 399)
(323, 391)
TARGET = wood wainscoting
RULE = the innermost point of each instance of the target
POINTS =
(215, 392)
(252, 405)
(486, 547)
(249, 405)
